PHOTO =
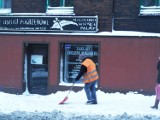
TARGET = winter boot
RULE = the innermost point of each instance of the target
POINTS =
(91, 102)
(155, 105)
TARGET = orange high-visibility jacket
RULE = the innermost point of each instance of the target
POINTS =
(91, 74)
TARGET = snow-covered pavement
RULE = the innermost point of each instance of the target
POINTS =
(111, 106)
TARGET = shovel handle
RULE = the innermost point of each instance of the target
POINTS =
(71, 88)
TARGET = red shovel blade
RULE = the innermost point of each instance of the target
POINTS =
(64, 100)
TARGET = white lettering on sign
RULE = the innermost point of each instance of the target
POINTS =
(33, 22)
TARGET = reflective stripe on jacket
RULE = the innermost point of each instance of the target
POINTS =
(91, 74)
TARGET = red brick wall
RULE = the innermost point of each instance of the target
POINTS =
(11, 53)
(125, 13)
(125, 63)
(28, 6)
(101, 8)
(127, 17)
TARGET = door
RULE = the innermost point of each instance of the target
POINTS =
(36, 62)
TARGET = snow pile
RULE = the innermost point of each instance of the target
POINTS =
(58, 115)
(111, 106)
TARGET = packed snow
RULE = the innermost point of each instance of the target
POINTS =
(111, 106)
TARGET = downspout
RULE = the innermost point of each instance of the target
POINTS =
(113, 15)
(62, 3)
(47, 4)
(140, 4)
(0, 4)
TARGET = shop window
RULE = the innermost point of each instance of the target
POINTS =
(69, 63)
(150, 7)
(5, 6)
(60, 7)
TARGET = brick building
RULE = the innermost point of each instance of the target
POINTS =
(40, 41)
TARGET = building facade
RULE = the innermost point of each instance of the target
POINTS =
(40, 42)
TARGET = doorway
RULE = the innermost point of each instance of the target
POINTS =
(36, 68)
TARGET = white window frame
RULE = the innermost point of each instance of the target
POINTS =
(150, 10)
(61, 10)
(3, 9)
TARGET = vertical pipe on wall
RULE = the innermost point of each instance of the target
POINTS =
(140, 3)
(47, 4)
(62, 3)
(0, 3)
(113, 12)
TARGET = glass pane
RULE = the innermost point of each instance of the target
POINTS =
(39, 76)
(5, 3)
(1, 4)
(58, 3)
(69, 63)
(158, 4)
(54, 3)
(69, 3)
(148, 3)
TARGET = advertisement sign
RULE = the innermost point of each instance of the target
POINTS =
(49, 23)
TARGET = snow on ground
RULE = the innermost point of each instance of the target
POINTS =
(111, 106)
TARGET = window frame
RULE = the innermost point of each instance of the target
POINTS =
(69, 65)
(150, 10)
(61, 10)
(4, 10)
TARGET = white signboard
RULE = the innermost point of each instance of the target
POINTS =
(36, 59)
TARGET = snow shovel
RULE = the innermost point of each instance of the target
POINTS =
(66, 98)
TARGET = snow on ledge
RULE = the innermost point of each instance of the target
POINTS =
(70, 84)
(129, 33)
(5, 11)
(104, 33)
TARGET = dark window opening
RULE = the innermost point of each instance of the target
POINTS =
(36, 68)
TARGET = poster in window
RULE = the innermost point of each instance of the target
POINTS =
(36, 59)
(70, 62)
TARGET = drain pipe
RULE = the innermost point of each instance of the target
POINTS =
(113, 14)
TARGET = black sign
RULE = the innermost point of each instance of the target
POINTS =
(49, 23)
